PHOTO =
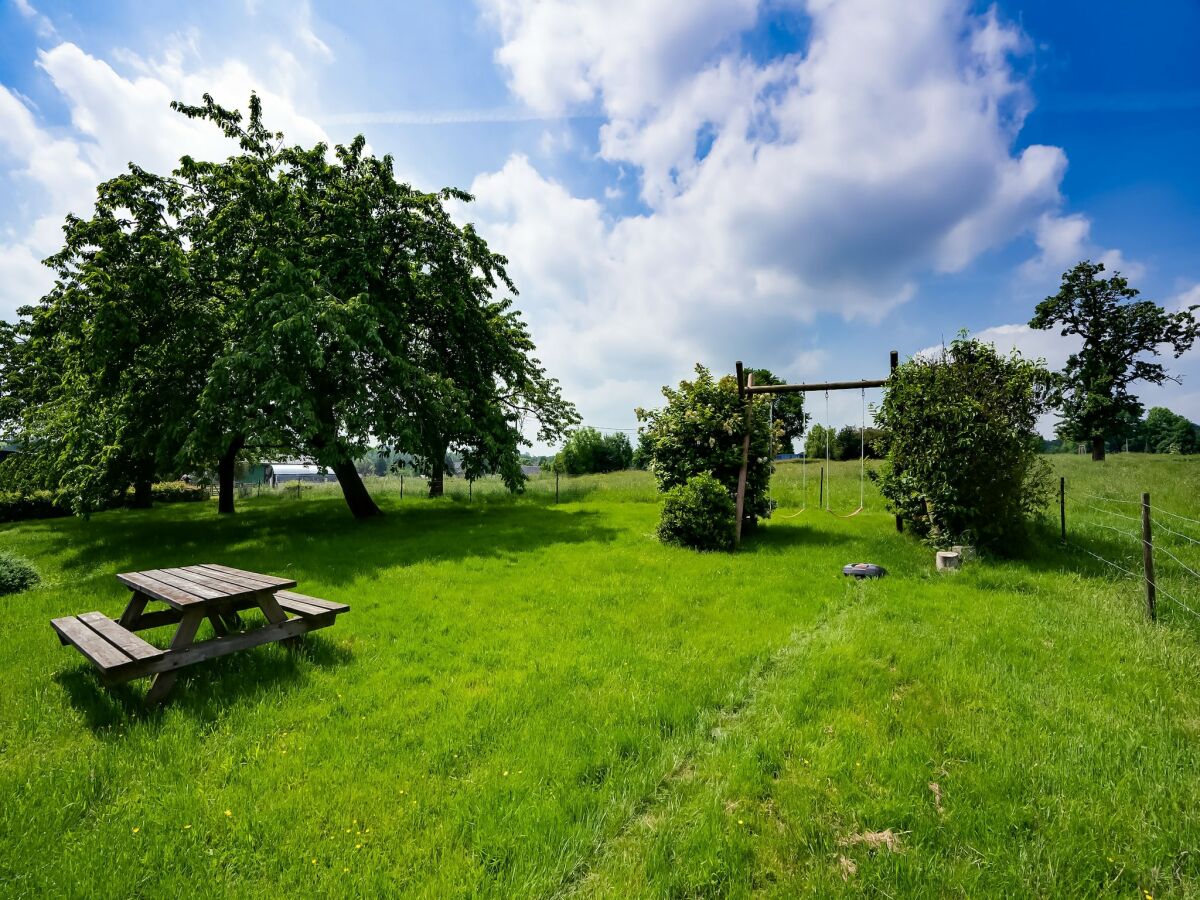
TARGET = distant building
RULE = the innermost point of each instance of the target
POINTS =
(531, 470)
(7, 449)
(281, 473)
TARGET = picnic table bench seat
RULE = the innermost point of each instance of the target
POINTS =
(192, 594)
(108, 646)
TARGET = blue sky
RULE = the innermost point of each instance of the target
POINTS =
(802, 185)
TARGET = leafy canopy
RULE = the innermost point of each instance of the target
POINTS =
(1118, 331)
(963, 463)
(700, 431)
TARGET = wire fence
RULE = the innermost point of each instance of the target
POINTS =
(1164, 558)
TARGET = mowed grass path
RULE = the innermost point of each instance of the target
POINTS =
(530, 699)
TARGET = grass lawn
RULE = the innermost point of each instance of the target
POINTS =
(531, 699)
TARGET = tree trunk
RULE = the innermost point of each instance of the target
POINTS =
(1098, 449)
(225, 474)
(142, 495)
(437, 472)
(357, 498)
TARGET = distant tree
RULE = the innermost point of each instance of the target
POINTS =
(815, 442)
(587, 451)
(1168, 432)
(641, 454)
(788, 411)
(1116, 331)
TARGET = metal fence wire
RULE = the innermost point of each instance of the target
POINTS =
(1166, 551)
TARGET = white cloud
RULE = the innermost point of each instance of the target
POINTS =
(822, 183)
(45, 28)
(1064, 240)
(1185, 299)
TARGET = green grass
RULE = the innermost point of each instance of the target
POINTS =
(530, 699)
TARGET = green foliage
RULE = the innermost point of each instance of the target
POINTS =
(700, 431)
(789, 414)
(1116, 331)
(815, 441)
(16, 574)
(588, 452)
(1168, 432)
(699, 514)
(963, 463)
(852, 442)
(177, 492)
(288, 297)
(15, 506)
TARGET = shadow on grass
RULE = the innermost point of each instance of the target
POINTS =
(319, 538)
(205, 691)
(776, 538)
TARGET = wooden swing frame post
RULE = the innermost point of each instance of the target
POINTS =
(746, 391)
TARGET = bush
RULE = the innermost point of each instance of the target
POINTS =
(16, 574)
(963, 462)
(177, 492)
(700, 432)
(698, 514)
(34, 505)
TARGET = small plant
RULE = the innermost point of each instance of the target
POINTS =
(698, 514)
(16, 574)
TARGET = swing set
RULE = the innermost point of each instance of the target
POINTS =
(747, 390)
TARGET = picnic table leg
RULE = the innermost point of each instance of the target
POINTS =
(218, 623)
(133, 609)
(164, 681)
(275, 615)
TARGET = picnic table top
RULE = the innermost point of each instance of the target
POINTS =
(187, 587)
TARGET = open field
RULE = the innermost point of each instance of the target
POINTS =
(530, 699)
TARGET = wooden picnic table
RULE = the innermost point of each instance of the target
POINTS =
(192, 594)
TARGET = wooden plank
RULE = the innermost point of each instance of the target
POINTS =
(217, 647)
(269, 579)
(126, 641)
(203, 591)
(156, 619)
(152, 587)
(244, 582)
(210, 580)
(823, 386)
(312, 601)
(299, 607)
(100, 652)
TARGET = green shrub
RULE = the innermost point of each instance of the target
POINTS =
(587, 451)
(698, 514)
(177, 492)
(963, 462)
(16, 574)
(36, 505)
(700, 431)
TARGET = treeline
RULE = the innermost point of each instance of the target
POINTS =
(848, 442)
(1162, 431)
(587, 451)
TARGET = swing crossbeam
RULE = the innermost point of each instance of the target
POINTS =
(802, 388)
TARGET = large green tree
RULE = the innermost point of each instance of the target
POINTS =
(1118, 331)
(104, 368)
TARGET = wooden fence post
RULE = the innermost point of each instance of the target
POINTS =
(556, 486)
(1148, 559)
(401, 485)
(821, 494)
(1062, 506)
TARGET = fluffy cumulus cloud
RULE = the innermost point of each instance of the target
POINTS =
(1062, 241)
(827, 182)
(119, 112)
